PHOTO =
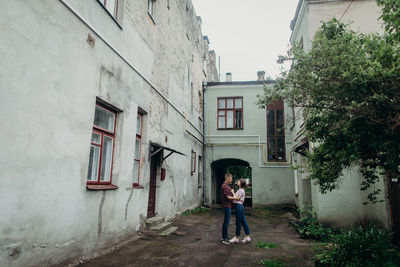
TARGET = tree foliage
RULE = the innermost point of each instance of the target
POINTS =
(348, 86)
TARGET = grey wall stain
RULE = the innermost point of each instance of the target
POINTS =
(100, 219)
(127, 203)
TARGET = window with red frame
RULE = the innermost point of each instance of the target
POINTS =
(102, 146)
(136, 163)
(193, 163)
(230, 113)
(276, 132)
(111, 6)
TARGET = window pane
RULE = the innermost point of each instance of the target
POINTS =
(221, 122)
(271, 122)
(93, 163)
(96, 138)
(221, 113)
(110, 5)
(221, 103)
(136, 171)
(238, 103)
(139, 125)
(229, 119)
(137, 149)
(272, 154)
(238, 119)
(104, 119)
(229, 103)
(193, 169)
(279, 122)
(281, 148)
(105, 174)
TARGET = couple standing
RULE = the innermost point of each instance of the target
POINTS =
(228, 198)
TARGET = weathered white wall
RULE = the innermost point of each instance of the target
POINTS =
(48, 87)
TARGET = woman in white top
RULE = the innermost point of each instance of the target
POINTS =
(240, 218)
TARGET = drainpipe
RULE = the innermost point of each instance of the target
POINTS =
(204, 144)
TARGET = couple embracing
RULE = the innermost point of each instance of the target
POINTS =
(228, 199)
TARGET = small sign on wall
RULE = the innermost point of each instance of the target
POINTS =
(163, 173)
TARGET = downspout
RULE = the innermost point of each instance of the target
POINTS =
(204, 144)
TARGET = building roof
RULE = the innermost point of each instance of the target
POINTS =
(240, 83)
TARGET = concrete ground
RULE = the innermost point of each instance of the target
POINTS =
(198, 243)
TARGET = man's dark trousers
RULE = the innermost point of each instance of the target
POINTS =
(225, 225)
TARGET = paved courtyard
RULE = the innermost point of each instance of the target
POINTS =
(197, 243)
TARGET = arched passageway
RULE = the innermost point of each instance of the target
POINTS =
(238, 168)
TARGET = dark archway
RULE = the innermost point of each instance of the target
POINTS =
(238, 168)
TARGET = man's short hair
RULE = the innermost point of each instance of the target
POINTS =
(227, 175)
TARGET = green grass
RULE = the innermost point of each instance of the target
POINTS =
(194, 211)
(271, 263)
(261, 244)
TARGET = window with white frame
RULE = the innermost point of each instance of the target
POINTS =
(102, 146)
(136, 163)
(111, 6)
(193, 163)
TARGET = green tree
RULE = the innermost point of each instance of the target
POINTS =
(348, 86)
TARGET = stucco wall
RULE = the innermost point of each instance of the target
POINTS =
(48, 87)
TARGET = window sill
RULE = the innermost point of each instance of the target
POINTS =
(229, 128)
(97, 187)
(138, 186)
(282, 162)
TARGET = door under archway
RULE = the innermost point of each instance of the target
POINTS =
(239, 169)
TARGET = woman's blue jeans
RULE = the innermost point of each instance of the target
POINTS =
(241, 220)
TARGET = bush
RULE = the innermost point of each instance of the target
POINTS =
(361, 246)
(308, 227)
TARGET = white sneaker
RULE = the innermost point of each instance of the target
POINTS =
(246, 239)
(234, 240)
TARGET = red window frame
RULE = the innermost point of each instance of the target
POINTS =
(274, 107)
(139, 138)
(193, 163)
(226, 109)
(103, 132)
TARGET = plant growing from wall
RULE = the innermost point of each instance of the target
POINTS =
(348, 86)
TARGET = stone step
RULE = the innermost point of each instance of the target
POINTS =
(168, 231)
(160, 226)
(150, 222)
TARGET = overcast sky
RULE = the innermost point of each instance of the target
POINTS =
(248, 35)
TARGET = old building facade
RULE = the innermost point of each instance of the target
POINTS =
(95, 96)
(238, 133)
(343, 206)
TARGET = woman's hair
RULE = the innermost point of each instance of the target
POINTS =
(243, 183)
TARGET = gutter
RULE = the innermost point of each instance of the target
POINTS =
(204, 145)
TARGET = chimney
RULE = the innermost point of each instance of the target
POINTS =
(261, 76)
(228, 78)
